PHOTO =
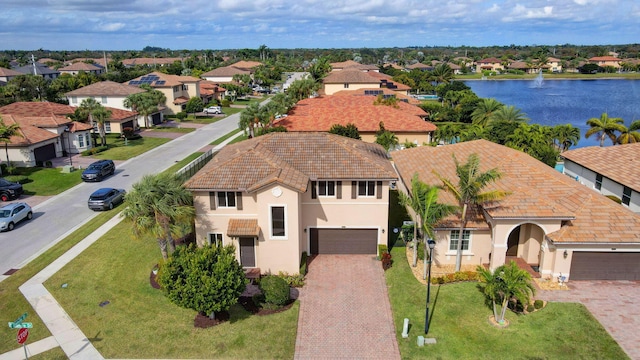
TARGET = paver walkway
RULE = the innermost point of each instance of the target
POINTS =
(616, 305)
(345, 311)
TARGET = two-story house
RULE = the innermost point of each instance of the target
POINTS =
(612, 171)
(111, 95)
(606, 61)
(490, 64)
(77, 67)
(281, 194)
(8, 74)
(177, 89)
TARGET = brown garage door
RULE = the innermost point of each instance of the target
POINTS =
(605, 266)
(344, 241)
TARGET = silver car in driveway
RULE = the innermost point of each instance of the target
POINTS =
(13, 213)
(105, 199)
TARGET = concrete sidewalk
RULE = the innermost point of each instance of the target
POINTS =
(65, 332)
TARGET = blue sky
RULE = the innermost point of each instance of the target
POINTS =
(233, 24)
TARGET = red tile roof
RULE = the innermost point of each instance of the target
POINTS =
(243, 227)
(36, 108)
(80, 66)
(246, 65)
(620, 163)
(226, 71)
(169, 80)
(106, 88)
(29, 132)
(292, 159)
(604, 58)
(350, 76)
(537, 192)
(319, 114)
(8, 72)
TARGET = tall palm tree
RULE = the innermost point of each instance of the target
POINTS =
(159, 205)
(442, 73)
(566, 136)
(506, 283)
(100, 116)
(604, 127)
(484, 110)
(630, 135)
(6, 132)
(250, 119)
(145, 103)
(469, 192)
(87, 108)
(509, 113)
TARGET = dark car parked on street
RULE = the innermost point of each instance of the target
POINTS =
(106, 198)
(10, 190)
(98, 170)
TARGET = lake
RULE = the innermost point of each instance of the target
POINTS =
(572, 102)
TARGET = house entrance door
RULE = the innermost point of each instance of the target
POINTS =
(247, 252)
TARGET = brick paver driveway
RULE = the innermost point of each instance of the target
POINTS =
(345, 311)
(616, 305)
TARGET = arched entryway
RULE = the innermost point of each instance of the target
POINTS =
(523, 245)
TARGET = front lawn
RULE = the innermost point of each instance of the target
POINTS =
(44, 181)
(119, 150)
(139, 321)
(460, 324)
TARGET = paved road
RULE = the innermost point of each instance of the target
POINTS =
(57, 217)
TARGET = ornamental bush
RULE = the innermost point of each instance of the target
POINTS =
(206, 279)
(538, 304)
(275, 290)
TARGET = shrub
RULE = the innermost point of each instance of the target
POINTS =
(455, 277)
(225, 103)
(421, 251)
(295, 280)
(386, 261)
(530, 308)
(538, 304)
(382, 249)
(94, 150)
(128, 133)
(614, 198)
(303, 263)
(275, 290)
(19, 179)
(181, 115)
(47, 164)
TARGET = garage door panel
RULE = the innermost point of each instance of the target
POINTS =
(344, 241)
(605, 266)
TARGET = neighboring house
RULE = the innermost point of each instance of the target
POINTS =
(8, 74)
(281, 194)
(381, 91)
(129, 63)
(352, 65)
(111, 95)
(211, 91)
(320, 114)
(224, 74)
(38, 69)
(604, 61)
(549, 220)
(554, 64)
(490, 64)
(46, 132)
(419, 66)
(612, 171)
(177, 89)
(76, 67)
(352, 79)
(523, 66)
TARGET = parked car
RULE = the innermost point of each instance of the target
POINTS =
(213, 110)
(98, 170)
(106, 199)
(10, 190)
(12, 214)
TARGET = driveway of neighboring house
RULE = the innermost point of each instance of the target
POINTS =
(616, 305)
(345, 311)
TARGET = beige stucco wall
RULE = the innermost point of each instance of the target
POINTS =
(477, 254)
(330, 89)
(531, 238)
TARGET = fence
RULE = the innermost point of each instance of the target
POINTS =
(191, 168)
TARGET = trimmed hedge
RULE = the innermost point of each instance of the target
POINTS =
(456, 277)
(275, 290)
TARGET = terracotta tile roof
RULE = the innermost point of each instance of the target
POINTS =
(79, 126)
(620, 163)
(36, 108)
(604, 58)
(96, 61)
(120, 115)
(106, 88)
(420, 66)
(226, 71)
(210, 88)
(180, 100)
(344, 64)
(8, 72)
(319, 114)
(292, 159)
(246, 65)
(30, 132)
(80, 66)
(537, 191)
(150, 61)
(489, 61)
(518, 65)
(243, 227)
(350, 76)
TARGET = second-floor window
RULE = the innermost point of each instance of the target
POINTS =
(626, 195)
(226, 199)
(366, 188)
(346, 86)
(598, 182)
(278, 229)
(326, 188)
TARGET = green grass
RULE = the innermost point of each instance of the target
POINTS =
(170, 129)
(45, 181)
(140, 322)
(221, 139)
(119, 151)
(182, 163)
(12, 302)
(460, 324)
(53, 354)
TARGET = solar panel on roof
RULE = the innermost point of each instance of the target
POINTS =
(160, 82)
(134, 82)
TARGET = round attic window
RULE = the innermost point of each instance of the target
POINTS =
(276, 191)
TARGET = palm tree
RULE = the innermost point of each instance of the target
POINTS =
(87, 108)
(509, 113)
(469, 193)
(145, 103)
(423, 199)
(484, 110)
(100, 116)
(630, 135)
(6, 132)
(442, 73)
(566, 136)
(250, 118)
(605, 127)
(159, 205)
(506, 283)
